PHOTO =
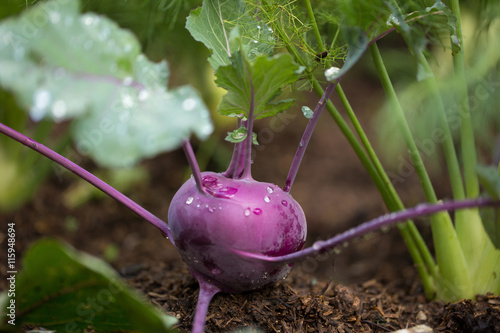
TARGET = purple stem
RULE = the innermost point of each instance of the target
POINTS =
(230, 169)
(234, 167)
(247, 171)
(240, 161)
(84, 174)
(207, 292)
(373, 225)
(193, 164)
(306, 137)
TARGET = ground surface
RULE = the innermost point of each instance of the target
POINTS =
(370, 286)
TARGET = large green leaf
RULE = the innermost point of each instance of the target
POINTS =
(61, 64)
(69, 291)
(267, 75)
(214, 23)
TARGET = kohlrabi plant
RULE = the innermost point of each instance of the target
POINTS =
(235, 233)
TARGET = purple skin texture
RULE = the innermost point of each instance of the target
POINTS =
(234, 214)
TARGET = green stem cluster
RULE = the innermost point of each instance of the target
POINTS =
(459, 264)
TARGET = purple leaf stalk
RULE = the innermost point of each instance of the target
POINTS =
(84, 174)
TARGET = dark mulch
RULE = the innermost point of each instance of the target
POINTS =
(302, 304)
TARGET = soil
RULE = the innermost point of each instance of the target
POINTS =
(371, 286)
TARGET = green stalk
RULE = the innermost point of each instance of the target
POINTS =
(317, 35)
(450, 154)
(482, 258)
(416, 246)
(418, 250)
(395, 203)
(466, 131)
(454, 275)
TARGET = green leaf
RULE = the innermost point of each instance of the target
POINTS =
(237, 136)
(61, 64)
(68, 291)
(419, 25)
(226, 26)
(267, 75)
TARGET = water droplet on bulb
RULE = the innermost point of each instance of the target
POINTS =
(247, 212)
(211, 209)
(284, 203)
(267, 199)
(216, 271)
(257, 211)
(189, 200)
(270, 190)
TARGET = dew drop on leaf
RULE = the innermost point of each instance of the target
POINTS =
(59, 109)
(41, 101)
(88, 20)
(143, 95)
(127, 81)
(54, 17)
(189, 104)
(127, 101)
